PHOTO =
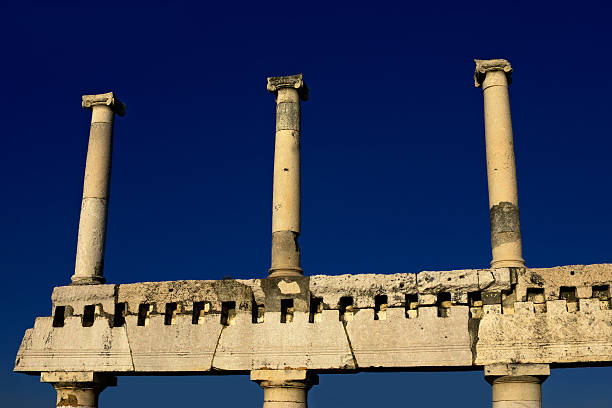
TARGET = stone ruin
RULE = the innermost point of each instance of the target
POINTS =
(511, 321)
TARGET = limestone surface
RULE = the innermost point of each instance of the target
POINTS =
(447, 319)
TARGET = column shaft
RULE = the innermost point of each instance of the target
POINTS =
(89, 265)
(76, 395)
(517, 392)
(285, 396)
(493, 77)
(285, 259)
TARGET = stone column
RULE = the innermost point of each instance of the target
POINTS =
(286, 193)
(285, 388)
(89, 266)
(516, 385)
(78, 389)
(493, 76)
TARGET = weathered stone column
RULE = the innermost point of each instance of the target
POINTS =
(493, 76)
(78, 389)
(516, 385)
(286, 194)
(89, 266)
(285, 388)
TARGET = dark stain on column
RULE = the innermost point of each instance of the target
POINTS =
(70, 400)
(287, 116)
(285, 249)
(505, 224)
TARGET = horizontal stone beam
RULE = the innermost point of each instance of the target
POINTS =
(450, 320)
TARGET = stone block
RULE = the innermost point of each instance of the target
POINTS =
(180, 347)
(493, 280)
(301, 345)
(584, 292)
(516, 370)
(279, 376)
(556, 306)
(426, 312)
(459, 298)
(427, 300)
(401, 342)
(448, 281)
(98, 348)
(544, 338)
(363, 288)
(413, 335)
(79, 296)
(523, 308)
(589, 305)
(491, 298)
(491, 309)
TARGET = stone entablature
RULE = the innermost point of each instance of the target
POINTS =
(449, 320)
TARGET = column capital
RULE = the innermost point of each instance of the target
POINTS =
(284, 378)
(78, 389)
(86, 379)
(290, 81)
(108, 99)
(520, 372)
(484, 66)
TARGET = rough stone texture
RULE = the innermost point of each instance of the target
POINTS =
(363, 288)
(582, 277)
(505, 224)
(549, 329)
(77, 297)
(528, 328)
(517, 369)
(287, 116)
(184, 293)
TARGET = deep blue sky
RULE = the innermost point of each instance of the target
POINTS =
(393, 166)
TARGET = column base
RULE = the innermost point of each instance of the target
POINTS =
(285, 271)
(285, 256)
(508, 263)
(87, 280)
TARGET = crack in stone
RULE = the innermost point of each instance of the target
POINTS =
(212, 361)
(490, 284)
(348, 339)
(129, 346)
(473, 327)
